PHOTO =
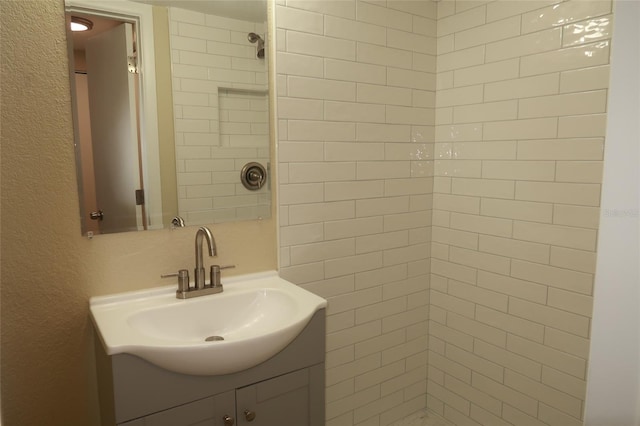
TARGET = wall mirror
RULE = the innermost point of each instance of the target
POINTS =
(171, 108)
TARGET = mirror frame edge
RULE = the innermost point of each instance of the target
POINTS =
(273, 118)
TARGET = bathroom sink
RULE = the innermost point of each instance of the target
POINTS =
(254, 318)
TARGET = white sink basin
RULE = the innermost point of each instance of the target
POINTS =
(254, 318)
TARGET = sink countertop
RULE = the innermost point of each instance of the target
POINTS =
(256, 316)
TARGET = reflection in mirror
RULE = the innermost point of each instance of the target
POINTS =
(220, 98)
(170, 104)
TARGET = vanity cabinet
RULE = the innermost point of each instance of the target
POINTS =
(287, 389)
(283, 400)
(209, 411)
(277, 401)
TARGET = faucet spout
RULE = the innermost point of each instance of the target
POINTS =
(203, 233)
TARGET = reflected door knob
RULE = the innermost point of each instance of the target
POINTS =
(96, 215)
(228, 421)
(249, 415)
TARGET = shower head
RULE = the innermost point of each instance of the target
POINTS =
(253, 37)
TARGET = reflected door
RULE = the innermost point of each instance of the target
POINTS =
(114, 129)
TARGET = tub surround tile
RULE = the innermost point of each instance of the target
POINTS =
(539, 173)
(440, 167)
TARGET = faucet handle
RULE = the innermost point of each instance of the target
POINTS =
(183, 279)
(215, 274)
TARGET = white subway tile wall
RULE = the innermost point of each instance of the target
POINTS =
(356, 109)
(221, 116)
(440, 167)
(521, 111)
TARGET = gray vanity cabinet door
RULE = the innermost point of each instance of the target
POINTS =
(205, 412)
(280, 401)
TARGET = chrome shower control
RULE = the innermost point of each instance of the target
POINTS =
(253, 176)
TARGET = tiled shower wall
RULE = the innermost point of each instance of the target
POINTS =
(356, 93)
(220, 109)
(521, 101)
(520, 122)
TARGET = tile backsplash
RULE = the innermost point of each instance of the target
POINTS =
(440, 168)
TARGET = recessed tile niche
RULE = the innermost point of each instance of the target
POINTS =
(244, 118)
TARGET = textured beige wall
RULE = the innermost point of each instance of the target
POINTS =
(48, 270)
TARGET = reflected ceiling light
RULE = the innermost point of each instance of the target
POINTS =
(80, 24)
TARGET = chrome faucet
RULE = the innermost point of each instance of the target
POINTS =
(203, 232)
(200, 287)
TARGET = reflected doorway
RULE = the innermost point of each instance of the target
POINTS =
(106, 87)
